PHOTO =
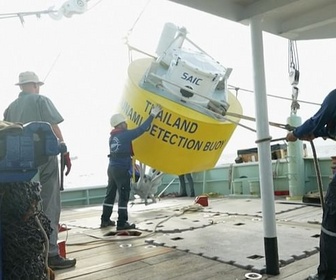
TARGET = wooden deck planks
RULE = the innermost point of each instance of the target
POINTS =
(171, 265)
(104, 257)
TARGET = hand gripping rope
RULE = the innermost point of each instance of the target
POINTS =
(288, 128)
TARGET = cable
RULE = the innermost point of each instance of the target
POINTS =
(52, 67)
(299, 100)
(129, 32)
(191, 208)
(271, 95)
(279, 125)
(46, 244)
(318, 174)
(94, 4)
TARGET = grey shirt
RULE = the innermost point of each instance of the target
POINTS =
(32, 107)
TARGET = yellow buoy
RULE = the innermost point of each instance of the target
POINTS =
(180, 139)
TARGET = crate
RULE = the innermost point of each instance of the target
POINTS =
(279, 151)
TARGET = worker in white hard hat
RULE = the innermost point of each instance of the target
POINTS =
(120, 163)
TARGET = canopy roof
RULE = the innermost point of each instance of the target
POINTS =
(291, 19)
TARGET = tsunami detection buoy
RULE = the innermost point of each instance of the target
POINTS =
(191, 131)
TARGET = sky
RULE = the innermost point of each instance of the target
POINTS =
(83, 61)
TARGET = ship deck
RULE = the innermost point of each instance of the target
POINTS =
(175, 239)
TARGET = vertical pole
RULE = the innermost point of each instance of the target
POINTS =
(204, 180)
(264, 150)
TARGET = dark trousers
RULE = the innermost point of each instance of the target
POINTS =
(327, 267)
(118, 180)
(183, 189)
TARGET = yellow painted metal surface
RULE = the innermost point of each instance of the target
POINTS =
(180, 139)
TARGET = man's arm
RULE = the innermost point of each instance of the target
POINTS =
(65, 156)
(57, 132)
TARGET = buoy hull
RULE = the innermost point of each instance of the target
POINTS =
(180, 140)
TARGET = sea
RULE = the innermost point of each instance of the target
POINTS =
(90, 169)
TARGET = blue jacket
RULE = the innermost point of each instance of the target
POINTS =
(323, 123)
(120, 143)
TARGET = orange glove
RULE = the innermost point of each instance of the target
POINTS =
(67, 162)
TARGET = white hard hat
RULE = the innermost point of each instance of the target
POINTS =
(117, 119)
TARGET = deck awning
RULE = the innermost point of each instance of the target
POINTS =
(291, 19)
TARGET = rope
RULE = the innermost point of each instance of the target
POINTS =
(129, 32)
(191, 208)
(52, 67)
(290, 128)
(46, 239)
(279, 125)
(94, 4)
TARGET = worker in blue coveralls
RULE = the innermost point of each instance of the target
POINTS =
(32, 106)
(323, 124)
(119, 167)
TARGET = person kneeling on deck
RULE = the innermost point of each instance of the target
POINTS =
(323, 124)
(120, 163)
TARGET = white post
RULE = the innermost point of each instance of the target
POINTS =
(264, 150)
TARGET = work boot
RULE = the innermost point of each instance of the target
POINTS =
(108, 223)
(126, 226)
(58, 262)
